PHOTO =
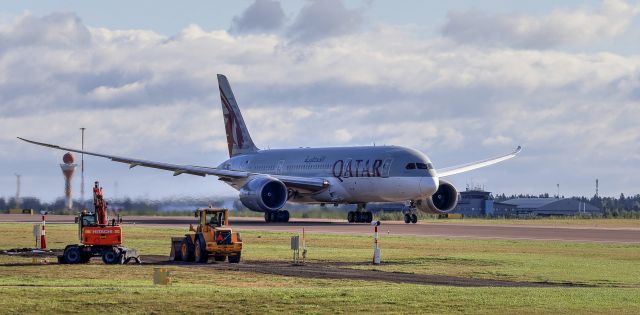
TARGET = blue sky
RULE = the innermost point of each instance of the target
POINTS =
(458, 80)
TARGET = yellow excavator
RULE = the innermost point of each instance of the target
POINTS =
(212, 237)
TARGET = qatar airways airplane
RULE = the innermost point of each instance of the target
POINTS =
(268, 179)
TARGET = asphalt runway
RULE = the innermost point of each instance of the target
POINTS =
(426, 229)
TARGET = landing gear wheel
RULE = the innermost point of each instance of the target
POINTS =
(283, 216)
(276, 216)
(234, 259)
(414, 218)
(407, 218)
(72, 255)
(359, 217)
(112, 257)
(186, 249)
(200, 254)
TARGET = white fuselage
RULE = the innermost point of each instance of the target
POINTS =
(355, 174)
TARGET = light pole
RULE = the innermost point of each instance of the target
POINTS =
(17, 191)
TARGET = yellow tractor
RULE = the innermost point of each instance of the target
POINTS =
(212, 237)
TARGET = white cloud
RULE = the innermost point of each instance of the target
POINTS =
(321, 19)
(261, 16)
(497, 140)
(560, 27)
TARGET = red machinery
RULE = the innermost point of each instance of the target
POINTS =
(98, 237)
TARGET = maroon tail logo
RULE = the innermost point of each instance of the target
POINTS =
(232, 125)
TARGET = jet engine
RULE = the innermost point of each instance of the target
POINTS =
(443, 201)
(264, 193)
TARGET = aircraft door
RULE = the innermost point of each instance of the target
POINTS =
(386, 167)
(280, 167)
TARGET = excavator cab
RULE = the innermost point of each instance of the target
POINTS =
(85, 219)
(88, 219)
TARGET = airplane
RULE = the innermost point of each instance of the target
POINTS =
(268, 179)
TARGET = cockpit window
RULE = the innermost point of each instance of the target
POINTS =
(411, 166)
(421, 166)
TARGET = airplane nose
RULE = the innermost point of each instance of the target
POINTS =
(428, 186)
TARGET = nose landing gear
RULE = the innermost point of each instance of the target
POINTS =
(411, 216)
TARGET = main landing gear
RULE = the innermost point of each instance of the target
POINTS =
(276, 216)
(360, 216)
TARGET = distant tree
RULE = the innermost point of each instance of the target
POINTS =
(31, 203)
(3, 205)
(11, 203)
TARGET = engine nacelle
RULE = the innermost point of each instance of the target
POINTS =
(443, 201)
(264, 193)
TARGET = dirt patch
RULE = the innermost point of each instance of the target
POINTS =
(30, 252)
(338, 271)
(327, 270)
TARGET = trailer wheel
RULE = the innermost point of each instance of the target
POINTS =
(201, 254)
(111, 257)
(72, 255)
(186, 249)
(234, 259)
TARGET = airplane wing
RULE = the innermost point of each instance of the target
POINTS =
(448, 171)
(306, 183)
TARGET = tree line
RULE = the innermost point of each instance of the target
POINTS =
(621, 206)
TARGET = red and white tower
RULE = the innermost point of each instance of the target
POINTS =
(68, 168)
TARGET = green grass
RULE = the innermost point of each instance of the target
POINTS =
(96, 288)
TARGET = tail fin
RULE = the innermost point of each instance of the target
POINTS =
(238, 138)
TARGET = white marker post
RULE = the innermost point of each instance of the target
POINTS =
(376, 249)
(43, 237)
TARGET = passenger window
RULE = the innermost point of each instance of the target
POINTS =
(411, 166)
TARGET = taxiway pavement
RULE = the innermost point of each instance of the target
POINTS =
(426, 229)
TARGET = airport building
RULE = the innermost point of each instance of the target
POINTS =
(531, 207)
(480, 203)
